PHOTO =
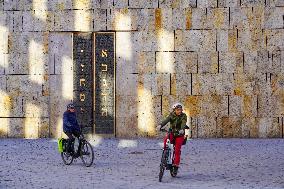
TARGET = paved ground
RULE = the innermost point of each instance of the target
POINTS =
(222, 163)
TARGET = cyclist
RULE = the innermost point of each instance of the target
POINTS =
(71, 126)
(177, 121)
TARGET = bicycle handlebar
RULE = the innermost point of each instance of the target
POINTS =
(165, 130)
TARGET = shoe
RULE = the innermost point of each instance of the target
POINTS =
(175, 169)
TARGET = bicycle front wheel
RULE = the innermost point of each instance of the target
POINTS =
(87, 153)
(163, 165)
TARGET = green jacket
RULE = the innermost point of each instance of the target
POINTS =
(177, 122)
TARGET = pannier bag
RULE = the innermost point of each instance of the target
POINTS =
(61, 144)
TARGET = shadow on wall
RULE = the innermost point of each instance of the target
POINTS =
(5, 99)
(35, 92)
(126, 110)
(145, 67)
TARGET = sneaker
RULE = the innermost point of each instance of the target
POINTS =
(175, 169)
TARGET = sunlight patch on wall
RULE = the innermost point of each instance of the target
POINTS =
(40, 7)
(146, 118)
(4, 63)
(59, 128)
(188, 123)
(5, 108)
(81, 4)
(5, 99)
(124, 42)
(67, 78)
(32, 121)
(122, 22)
(5, 104)
(36, 62)
(165, 62)
(4, 36)
(82, 18)
(165, 40)
(124, 45)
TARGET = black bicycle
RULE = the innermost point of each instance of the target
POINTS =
(167, 157)
(84, 151)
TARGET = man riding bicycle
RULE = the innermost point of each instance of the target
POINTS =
(71, 126)
(177, 121)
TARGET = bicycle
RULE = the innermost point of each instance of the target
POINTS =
(167, 157)
(84, 151)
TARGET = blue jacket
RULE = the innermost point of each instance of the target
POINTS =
(70, 122)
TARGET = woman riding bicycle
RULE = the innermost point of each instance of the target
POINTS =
(177, 121)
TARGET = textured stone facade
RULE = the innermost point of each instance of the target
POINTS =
(223, 59)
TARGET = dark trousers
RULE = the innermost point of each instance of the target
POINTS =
(71, 139)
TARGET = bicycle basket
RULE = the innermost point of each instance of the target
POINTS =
(61, 144)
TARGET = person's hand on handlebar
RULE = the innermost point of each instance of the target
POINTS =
(181, 132)
(81, 136)
(158, 128)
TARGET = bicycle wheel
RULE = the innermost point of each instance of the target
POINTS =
(87, 153)
(163, 164)
(67, 158)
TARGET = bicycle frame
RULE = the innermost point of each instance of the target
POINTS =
(169, 149)
(80, 141)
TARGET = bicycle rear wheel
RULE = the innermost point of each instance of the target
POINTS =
(67, 158)
(87, 153)
(163, 165)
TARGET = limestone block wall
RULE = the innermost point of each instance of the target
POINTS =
(223, 59)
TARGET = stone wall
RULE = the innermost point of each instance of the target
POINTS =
(223, 59)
